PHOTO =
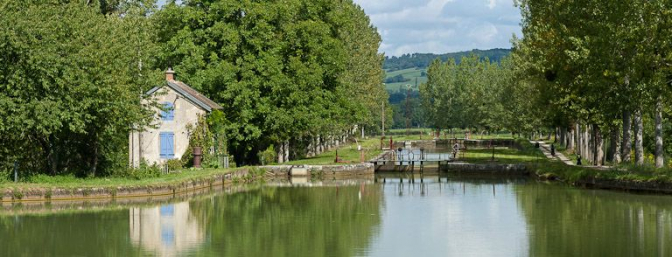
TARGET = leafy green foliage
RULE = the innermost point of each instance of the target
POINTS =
(70, 85)
(418, 60)
(594, 61)
(268, 156)
(396, 79)
(465, 95)
(285, 70)
(200, 136)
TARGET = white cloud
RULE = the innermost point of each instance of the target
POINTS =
(492, 4)
(484, 34)
(440, 26)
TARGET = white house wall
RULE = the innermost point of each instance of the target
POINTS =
(146, 145)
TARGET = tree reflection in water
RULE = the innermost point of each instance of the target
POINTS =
(575, 222)
(300, 221)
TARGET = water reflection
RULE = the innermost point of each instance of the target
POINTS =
(566, 221)
(166, 230)
(441, 216)
(291, 221)
(407, 215)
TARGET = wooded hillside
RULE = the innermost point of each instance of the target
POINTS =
(423, 60)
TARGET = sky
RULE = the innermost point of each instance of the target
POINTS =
(442, 26)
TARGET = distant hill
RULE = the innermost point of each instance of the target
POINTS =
(400, 79)
(422, 61)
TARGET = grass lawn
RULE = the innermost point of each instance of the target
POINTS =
(45, 181)
(346, 152)
(527, 154)
(502, 155)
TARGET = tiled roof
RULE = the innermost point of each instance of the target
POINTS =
(196, 94)
(190, 94)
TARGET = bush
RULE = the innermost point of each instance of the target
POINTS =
(145, 171)
(174, 164)
(48, 179)
(5, 176)
(268, 156)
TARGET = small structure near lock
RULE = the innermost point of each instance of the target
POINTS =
(169, 137)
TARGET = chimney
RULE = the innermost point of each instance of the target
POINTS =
(170, 74)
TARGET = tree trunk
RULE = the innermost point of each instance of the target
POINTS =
(286, 148)
(563, 136)
(51, 159)
(281, 153)
(615, 145)
(639, 130)
(588, 149)
(570, 138)
(556, 135)
(94, 161)
(660, 161)
(579, 140)
(626, 146)
(598, 146)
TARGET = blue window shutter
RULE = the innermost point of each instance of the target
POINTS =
(162, 146)
(171, 145)
(168, 112)
(167, 145)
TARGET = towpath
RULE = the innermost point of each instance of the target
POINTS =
(546, 149)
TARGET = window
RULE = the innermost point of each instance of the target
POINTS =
(167, 143)
(168, 111)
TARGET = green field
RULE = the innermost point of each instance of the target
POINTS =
(411, 74)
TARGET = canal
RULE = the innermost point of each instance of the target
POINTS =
(395, 216)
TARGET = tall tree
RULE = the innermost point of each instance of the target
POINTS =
(288, 71)
(71, 85)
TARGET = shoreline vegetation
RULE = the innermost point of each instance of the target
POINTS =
(295, 77)
(48, 188)
(45, 187)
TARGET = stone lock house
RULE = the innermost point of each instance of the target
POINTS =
(170, 138)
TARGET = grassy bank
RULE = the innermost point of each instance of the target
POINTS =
(69, 182)
(557, 170)
(348, 153)
(572, 174)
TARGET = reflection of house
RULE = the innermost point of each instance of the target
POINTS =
(167, 230)
(170, 139)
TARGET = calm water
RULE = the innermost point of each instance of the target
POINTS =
(453, 217)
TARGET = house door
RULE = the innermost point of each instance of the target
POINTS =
(167, 145)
